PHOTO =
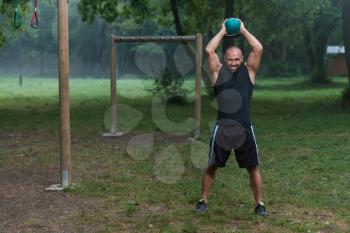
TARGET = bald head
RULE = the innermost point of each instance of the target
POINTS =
(234, 50)
(233, 58)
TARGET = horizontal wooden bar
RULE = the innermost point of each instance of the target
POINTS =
(153, 38)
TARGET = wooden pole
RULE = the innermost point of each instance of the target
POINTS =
(113, 89)
(153, 38)
(113, 66)
(63, 73)
(20, 63)
(199, 44)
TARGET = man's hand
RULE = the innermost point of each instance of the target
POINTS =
(223, 28)
(242, 27)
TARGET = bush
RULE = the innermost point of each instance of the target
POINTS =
(283, 69)
(169, 87)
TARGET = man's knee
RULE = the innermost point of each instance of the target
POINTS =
(211, 170)
(253, 170)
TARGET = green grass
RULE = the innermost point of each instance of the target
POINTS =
(302, 132)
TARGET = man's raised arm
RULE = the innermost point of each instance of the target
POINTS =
(213, 60)
(254, 58)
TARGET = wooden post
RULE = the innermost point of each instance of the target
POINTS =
(113, 89)
(199, 43)
(153, 38)
(113, 65)
(20, 63)
(115, 39)
(63, 72)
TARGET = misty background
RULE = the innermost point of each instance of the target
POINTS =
(33, 52)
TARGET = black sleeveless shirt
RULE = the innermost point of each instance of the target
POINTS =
(233, 92)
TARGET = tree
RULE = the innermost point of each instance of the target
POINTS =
(2, 38)
(228, 41)
(198, 20)
(282, 26)
(273, 23)
(346, 33)
(109, 10)
(323, 19)
(177, 21)
(346, 36)
(6, 15)
(201, 11)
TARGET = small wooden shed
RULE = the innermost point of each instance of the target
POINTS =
(337, 60)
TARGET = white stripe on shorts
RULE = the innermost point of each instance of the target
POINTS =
(212, 146)
(256, 146)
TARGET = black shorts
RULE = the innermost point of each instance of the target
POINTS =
(238, 138)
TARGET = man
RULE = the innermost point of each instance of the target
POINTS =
(233, 84)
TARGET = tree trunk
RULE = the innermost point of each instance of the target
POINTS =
(191, 52)
(102, 30)
(316, 39)
(320, 66)
(174, 10)
(284, 51)
(228, 41)
(346, 33)
(308, 46)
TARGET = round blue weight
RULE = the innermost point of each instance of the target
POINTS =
(232, 26)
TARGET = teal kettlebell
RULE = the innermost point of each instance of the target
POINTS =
(233, 26)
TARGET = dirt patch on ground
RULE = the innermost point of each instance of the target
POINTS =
(25, 206)
(326, 222)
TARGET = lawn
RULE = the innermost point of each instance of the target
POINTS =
(149, 179)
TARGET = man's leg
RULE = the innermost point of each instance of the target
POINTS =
(207, 181)
(256, 183)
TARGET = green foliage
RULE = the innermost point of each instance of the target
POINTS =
(2, 39)
(322, 19)
(292, 31)
(139, 9)
(7, 30)
(201, 15)
(283, 69)
(107, 9)
(295, 26)
(169, 87)
(46, 10)
(7, 7)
